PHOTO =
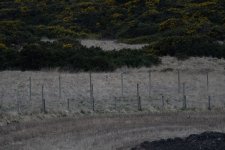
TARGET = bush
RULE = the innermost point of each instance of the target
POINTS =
(8, 59)
(32, 57)
(36, 56)
(189, 46)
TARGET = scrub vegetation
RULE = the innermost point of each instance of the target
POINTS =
(180, 28)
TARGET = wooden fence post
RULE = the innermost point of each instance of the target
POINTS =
(184, 97)
(209, 97)
(150, 82)
(209, 102)
(30, 93)
(163, 102)
(122, 94)
(1, 99)
(68, 104)
(43, 100)
(92, 97)
(140, 105)
(60, 94)
(30, 84)
(139, 99)
(115, 103)
(18, 101)
(207, 82)
(90, 84)
(184, 102)
(184, 86)
(178, 81)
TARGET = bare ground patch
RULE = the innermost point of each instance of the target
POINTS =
(107, 132)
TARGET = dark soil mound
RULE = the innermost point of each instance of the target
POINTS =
(204, 141)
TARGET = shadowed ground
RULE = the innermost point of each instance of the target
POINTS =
(107, 132)
(204, 141)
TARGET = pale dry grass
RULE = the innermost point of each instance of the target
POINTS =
(14, 86)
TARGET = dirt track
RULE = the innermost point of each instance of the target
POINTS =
(106, 132)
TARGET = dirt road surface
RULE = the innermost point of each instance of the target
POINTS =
(106, 132)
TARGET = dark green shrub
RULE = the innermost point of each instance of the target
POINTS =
(189, 46)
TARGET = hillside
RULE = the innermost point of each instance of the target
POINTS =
(171, 27)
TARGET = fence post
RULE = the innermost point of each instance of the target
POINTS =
(150, 82)
(90, 83)
(92, 97)
(140, 106)
(209, 102)
(184, 97)
(207, 81)
(1, 99)
(18, 101)
(178, 80)
(184, 102)
(30, 91)
(60, 87)
(30, 88)
(122, 95)
(68, 104)
(209, 97)
(139, 99)
(115, 100)
(184, 86)
(43, 100)
(163, 102)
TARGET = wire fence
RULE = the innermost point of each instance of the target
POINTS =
(112, 92)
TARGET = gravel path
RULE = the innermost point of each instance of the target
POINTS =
(119, 132)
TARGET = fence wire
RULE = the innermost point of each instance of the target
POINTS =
(111, 92)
